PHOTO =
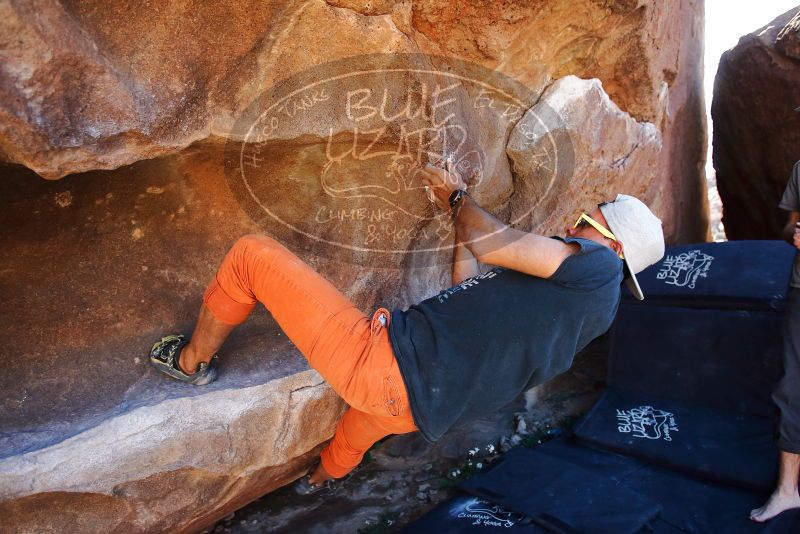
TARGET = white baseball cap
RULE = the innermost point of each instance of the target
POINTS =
(640, 233)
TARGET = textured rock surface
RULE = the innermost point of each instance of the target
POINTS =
(96, 265)
(756, 131)
(788, 40)
(87, 87)
(214, 453)
(615, 154)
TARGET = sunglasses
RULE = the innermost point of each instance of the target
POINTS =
(585, 220)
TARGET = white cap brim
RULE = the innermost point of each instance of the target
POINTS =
(639, 231)
(633, 285)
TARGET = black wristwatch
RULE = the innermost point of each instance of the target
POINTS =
(456, 196)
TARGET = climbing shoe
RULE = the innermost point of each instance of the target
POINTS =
(164, 357)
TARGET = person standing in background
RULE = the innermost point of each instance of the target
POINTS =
(787, 393)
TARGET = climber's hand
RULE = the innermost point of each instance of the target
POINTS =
(796, 236)
(442, 182)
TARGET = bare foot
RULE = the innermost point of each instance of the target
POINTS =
(777, 503)
(183, 362)
(188, 360)
(319, 476)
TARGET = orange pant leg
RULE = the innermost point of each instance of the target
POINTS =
(355, 434)
(351, 351)
(323, 324)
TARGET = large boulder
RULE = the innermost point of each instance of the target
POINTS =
(616, 154)
(97, 266)
(307, 121)
(756, 130)
(85, 86)
(788, 39)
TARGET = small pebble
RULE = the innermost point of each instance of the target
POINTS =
(522, 427)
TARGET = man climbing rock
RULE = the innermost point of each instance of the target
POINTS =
(787, 393)
(467, 351)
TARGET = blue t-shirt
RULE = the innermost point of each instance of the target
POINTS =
(474, 347)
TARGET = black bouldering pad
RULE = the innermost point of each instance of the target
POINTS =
(686, 504)
(721, 359)
(686, 426)
(744, 275)
(562, 495)
(725, 447)
(467, 513)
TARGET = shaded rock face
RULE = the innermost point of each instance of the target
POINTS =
(756, 131)
(98, 266)
(545, 108)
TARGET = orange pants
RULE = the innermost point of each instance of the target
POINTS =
(351, 351)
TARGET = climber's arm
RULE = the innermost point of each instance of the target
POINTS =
(489, 239)
(790, 230)
(464, 263)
